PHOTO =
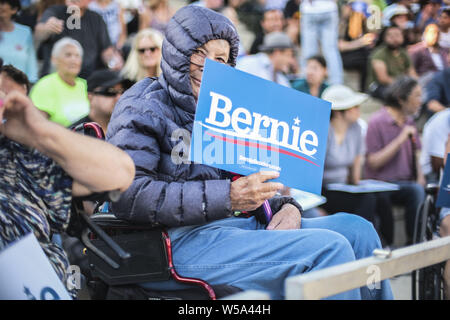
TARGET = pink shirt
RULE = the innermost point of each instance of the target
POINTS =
(381, 131)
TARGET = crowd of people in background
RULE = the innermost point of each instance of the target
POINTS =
(77, 57)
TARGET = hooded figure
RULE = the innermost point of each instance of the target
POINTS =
(146, 123)
(195, 201)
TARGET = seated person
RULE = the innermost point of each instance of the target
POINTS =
(427, 56)
(393, 142)
(401, 15)
(13, 79)
(197, 202)
(355, 42)
(44, 165)
(436, 146)
(388, 61)
(429, 12)
(345, 148)
(144, 58)
(272, 20)
(62, 95)
(104, 87)
(316, 74)
(438, 91)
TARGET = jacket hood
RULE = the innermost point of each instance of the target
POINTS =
(191, 27)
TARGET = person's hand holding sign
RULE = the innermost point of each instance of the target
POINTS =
(249, 193)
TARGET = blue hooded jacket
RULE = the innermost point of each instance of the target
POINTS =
(145, 118)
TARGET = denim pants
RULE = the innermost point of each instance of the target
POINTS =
(240, 252)
(322, 28)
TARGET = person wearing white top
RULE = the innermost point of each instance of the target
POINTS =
(435, 134)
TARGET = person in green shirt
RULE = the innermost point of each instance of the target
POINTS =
(62, 95)
(388, 62)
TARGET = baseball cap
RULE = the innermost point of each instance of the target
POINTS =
(103, 79)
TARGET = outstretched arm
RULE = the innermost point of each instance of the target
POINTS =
(94, 165)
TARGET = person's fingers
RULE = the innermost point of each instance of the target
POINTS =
(266, 175)
(270, 187)
(56, 28)
(268, 195)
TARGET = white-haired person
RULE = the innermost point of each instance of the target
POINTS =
(145, 56)
(62, 95)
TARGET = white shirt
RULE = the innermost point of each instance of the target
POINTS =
(435, 133)
(260, 65)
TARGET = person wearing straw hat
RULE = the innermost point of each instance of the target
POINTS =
(345, 150)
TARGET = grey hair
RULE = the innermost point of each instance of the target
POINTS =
(60, 44)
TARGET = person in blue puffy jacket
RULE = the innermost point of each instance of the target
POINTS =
(197, 203)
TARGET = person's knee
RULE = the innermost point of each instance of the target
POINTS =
(358, 223)
(417, 192)
(445, 226)
(334, 245)
(364, 234)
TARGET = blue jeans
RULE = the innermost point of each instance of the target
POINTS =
(240, 252)
(322, 28)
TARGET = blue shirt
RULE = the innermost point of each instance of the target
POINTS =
(16, 48)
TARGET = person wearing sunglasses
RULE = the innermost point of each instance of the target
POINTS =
(104, 90)
(145, 56)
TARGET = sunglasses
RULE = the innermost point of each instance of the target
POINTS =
(109, 92)
(151, 49)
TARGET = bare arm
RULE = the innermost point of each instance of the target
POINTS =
(44, 30)
(112, 58)
(123, 34)
(380, 158)
(435, 106)
(412, 72)
(355, 171)
(420, 176)
(366, 40)
(381, 74)
(94, 165)
(144, 19)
